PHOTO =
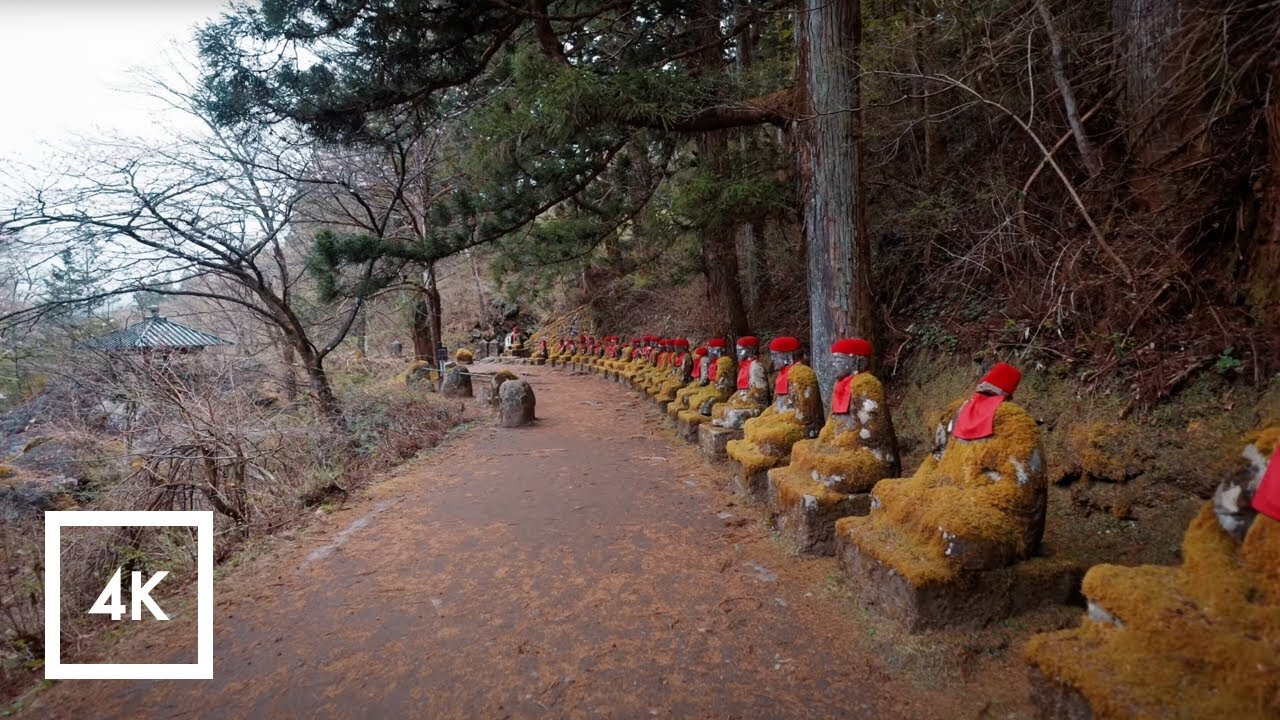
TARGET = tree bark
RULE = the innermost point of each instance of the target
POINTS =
(923, 23)
(427, 317)
(1092, 161)
(1262, 290)
(482, 304)
(838, 248)
(318, 379)
(720, 263)
(1155, 118)
(719, 250)
(289, 358)
(751, 244)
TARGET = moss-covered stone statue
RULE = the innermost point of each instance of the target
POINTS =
(943, 547)
(661, 372)
(795, 414)
(697, 379)
(1196, 640)
(627, 359)
(679, 373)
(750, 398)
(831, 476)
(657, 359)
(559, 347)
(641, 360)
(721, 382)
(513, 343)
(620, 360)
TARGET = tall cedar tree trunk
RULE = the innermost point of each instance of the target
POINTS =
(719, 250)
(484, 312)
(1155, 119)
(427, 312)
(1263, 292)
(923, 27)
(838, 248)
(748, 234)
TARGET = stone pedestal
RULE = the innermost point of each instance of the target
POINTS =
(972, 599)
(687, 431)
(807, 516)
(1057, 701)
(713, 438)
(753, 486)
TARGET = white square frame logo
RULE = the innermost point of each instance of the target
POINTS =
(54, 668)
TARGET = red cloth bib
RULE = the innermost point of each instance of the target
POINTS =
(679, 361)
(1267, 499)
(697, 367)
(744, 374)
(713, 369)
(977, 418)
(842, 394)
(781, 385)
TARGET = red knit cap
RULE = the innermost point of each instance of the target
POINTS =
(784, 344)
(700, 351)
(717, 343)
(749, 341)
(851, 346)
(681, 343)
(1004, 376)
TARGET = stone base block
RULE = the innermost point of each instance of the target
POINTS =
(1055, 700)
(974, 599)
(538, 361)
(687, 431)
(754, 486)
(811, 525)
(712, 440)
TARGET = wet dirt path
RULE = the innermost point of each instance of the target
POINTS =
(589, 566)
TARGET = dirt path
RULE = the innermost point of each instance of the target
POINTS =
(589, 566)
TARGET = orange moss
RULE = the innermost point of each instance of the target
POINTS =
(1198, 640)
(1091, 446)
(840, 455)
(717, 391)
(463, 356)
(413, 371)
(851, 470)
(987, 492)
(793, 484)
(768, 437)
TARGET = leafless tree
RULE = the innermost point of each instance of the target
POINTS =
(209, 214)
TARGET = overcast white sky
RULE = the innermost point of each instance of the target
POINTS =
(63, 62)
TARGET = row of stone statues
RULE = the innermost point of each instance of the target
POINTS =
(957, 541)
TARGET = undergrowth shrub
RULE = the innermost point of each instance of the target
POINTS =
(190, 433)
